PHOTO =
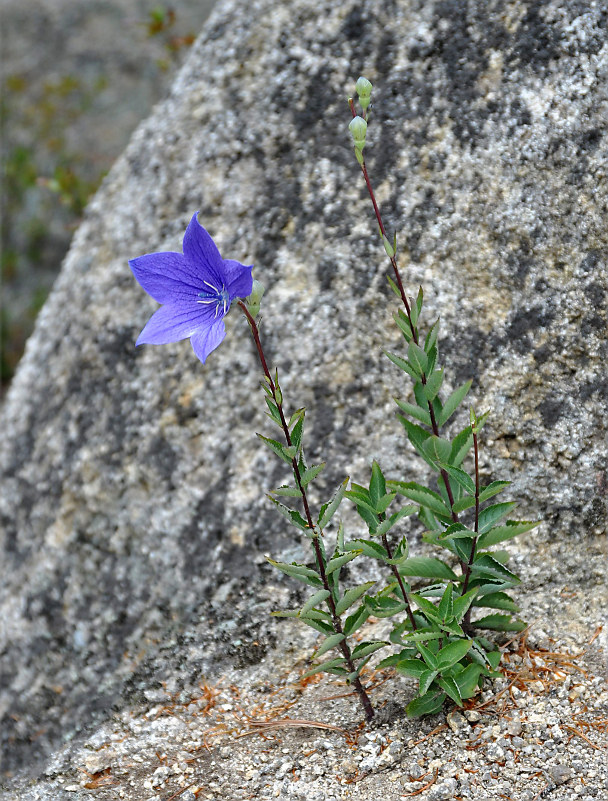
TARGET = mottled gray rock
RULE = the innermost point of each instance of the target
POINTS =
(134, 525)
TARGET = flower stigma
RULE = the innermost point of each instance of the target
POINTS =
(221, 298)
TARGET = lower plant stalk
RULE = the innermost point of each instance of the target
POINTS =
(337, 625)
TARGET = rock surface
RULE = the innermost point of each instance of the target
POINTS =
(133, 522)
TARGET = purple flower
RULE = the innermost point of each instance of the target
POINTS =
(196, 288)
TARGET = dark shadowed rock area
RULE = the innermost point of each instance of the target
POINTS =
(132, 511)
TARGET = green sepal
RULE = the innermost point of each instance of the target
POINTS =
(301, 572)
(282, 451)
(328, 509)
(313, 601)
(351, 596)
(422, 495)
(417, 359)
(426, 567)
(309, 475)
(492, 514)
(294, 517)
(328, 644)
(433, 384)
(331, 666)
(414, 411)
(338, 561)
(505, 532)
(453, 402)
(356, 620)
(428, 704)
(499, 623)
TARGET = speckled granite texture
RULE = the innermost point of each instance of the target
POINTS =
(133, 522)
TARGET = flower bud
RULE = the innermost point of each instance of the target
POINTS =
(254, 300)
(358, 130)
(363, 87)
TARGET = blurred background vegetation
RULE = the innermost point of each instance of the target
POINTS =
(76, 79)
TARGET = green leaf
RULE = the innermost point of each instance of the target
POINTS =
(492, 514)
(384, 607)
(327, 666)
(386, 525)
(294, 517)
(464, 479)
(394, 286)
(426, 567)
(351, 596)
(273, 411)
(417, 358)
(284, 453)
(310, 474)
(287, 492)
(499, 623)
(356, 620)
(402, 321)
(301, 572)
(429, 657)
(377, 485)
(367, 648)
(452, 654)
(446, 605)
(468, 680)
(328, 644)
(298, 428)
(486, 566)
(426, 679)
(400, 554)
(319, 625)
(431, 337)
(369, 548)
(410, 667)
(337, 562)
(457, 531)
(510, 529)
(462, 604)
(403, 364)
(422, 495)
(493, 489)
(328, 509)
(417, 436)
(313, 601)
(461, 445)
(451, 688)
(437, 449)
(433, 384)
(498, 600)
(414, 411)
(416, 308)
(453, 402)
(428, 704)
(466, 502)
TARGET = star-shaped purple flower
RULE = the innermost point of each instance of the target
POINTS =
(196, 288)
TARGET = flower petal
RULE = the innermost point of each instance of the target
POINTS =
(204, 340)
(166, 276)
(173, 322)
(202, 254)
(237, 279)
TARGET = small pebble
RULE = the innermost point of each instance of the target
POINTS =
(560, 773)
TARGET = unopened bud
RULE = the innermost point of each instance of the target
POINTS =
(254, 300)
(363, 88)
(358, 130)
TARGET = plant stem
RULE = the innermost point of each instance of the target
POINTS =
(468, 566)
(337, 623)
(397, 575)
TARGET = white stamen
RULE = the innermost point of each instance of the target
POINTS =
(214, 288)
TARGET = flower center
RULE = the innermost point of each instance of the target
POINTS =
(214, 296)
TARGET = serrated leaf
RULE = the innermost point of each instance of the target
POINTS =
(417, 306)
(377, 485)
(294, 517)
(417, 358)
(461, 445)
(422, 495)
(310, 474)
(453, 402)
(499, 623)
(451, 689)
(428, 704)
(386, 525)
(369, 548)
(384, 502)
(368, 648)
(498, 600)
(429, 657)
(402, 322)
(417, 436)
(431, 337)
(426, 567)
(313, 601)
(463, 478)
(462, 604)
(287, 492)
(356, 620)
(467, 680)
(394, 286)
(433, 384)
(282, 451)
(446, 605)
(492, 514)
(273, 411)
(384, 607)
(437, 449)
(328, 509)
(338, 561)
(403, 364)
(425, 681)
(414, 411)
(410, 667)
(327, 666)
(400, 554)
(466, 502)
(493, 489)
(485, 566)
(298, 428)
(422, 636)
(301, 572)
(351, 596)
(505, 532)
(457, 531)
(452, 653)
(328, 644)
